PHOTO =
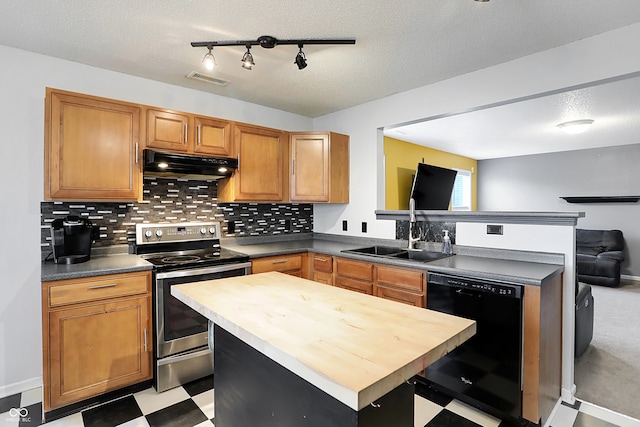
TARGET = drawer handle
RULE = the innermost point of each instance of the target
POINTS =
(110, 285)
(280, 261)
(320, 259)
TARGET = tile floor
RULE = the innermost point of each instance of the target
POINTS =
(192, 405)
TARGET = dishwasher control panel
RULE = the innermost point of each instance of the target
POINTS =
(495, 288)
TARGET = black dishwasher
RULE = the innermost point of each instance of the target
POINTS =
(486, 370)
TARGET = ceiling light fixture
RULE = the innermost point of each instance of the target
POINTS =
(247, 59)
(575, 126)
(267, 42)
(301, 61)
(209, 61)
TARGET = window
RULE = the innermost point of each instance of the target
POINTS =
(461, 197)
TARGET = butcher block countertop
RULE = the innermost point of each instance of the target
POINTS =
(354, 347)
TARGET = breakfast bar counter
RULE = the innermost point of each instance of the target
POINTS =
(290, 351)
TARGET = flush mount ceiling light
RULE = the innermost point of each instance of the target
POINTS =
(209, 61)
(575, 126)
(267, 42)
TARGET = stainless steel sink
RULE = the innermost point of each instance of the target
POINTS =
(398, 253)
(422, 256)
(377, 250)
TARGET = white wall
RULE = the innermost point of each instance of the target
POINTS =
(525, 182)
(24, 77)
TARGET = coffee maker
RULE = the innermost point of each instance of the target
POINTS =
(71, 238)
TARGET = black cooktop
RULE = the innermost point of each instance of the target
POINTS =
(174, 260)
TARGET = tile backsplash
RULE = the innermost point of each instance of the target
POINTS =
(428, 231)
(178, 200)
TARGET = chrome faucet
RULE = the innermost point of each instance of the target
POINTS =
(412, 224)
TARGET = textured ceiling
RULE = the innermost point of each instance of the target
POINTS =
(400, 45)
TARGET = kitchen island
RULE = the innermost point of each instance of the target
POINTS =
(289, 351)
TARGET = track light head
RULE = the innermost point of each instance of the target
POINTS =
(247, 59)
(209, 61)
(301, 61)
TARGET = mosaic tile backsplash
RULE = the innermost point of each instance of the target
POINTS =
(428, 231)
(179, 200)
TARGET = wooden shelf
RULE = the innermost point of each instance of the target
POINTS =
(601, 199)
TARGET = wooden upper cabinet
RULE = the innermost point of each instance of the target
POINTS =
(319, 167)
(168, 130)
(262, 175)
(91, 148)
(185, 133)
(213, 136)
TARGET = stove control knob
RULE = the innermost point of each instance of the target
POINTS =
(148, 234)
(158, 233)
(203, 231)
(212, 231)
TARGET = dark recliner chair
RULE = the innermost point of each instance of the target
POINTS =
(584, 318)
(598, 256)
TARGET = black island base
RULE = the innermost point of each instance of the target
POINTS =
(253, 390)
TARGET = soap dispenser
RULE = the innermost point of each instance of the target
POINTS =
(446, 243)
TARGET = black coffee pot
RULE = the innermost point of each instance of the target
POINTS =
(71, 238)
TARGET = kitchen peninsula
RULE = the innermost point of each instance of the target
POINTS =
(288, 349)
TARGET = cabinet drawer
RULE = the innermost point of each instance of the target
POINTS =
(321, 277)
(354, 285)
(355, 269)
(322, 263)
(99, 287)
(400, 296)
(277, 263)
(412, 280)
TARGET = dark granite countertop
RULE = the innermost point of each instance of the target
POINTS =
(518, 271)
(480, 263)
(96, 266)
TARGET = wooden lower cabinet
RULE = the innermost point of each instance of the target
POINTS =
(293, 264)
(404, 285)
(354, 275)
(97, 336)
(321, 268)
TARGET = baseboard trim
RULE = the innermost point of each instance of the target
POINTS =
(20, 387)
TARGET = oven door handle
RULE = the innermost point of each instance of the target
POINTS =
(183, 356)
(204, 270)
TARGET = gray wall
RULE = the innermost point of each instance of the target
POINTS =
(535, 183)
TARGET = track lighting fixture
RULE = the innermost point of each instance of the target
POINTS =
(301, 61)
(267, 42)
(209, 61)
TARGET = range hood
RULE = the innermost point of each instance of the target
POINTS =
(187, 165)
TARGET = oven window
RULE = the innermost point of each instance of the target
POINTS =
(180, 320)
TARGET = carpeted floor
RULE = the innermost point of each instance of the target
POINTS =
(608, 373)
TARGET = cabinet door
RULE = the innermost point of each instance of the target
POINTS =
(91, 148)
(168, 130)
(310, 167)
(354, 285)
(98, 348)
(262, 156)
(213, 137)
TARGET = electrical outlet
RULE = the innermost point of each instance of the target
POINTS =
(494, 229)
(364, 227)
(287, 224)
(231, 227)
(344, 225)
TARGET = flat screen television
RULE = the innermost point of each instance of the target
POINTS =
(432, 187)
